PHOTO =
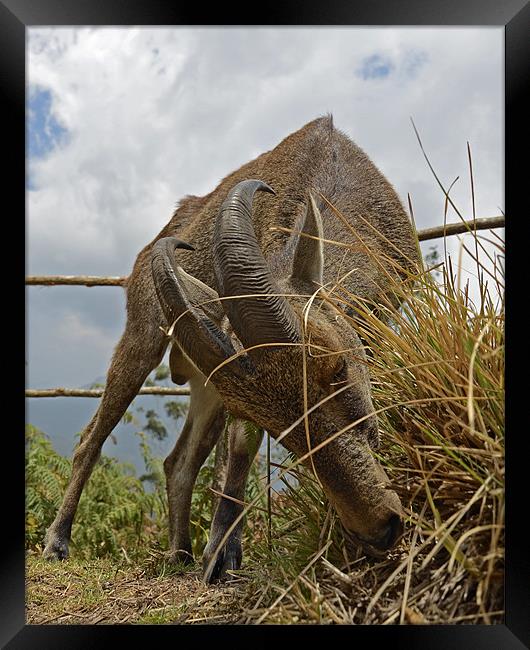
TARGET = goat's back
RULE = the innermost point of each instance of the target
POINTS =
(320, 158)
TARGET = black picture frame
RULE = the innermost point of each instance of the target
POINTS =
(514, 16)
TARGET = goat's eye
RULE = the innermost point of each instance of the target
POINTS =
(339, 370)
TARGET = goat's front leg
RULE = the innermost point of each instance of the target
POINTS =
(139, 351)
(217, 558)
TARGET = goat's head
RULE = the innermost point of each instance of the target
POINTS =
(284, 356)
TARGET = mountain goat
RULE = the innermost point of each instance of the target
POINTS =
(283, 346)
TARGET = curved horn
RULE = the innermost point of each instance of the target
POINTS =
(200, 338)
(240, 269)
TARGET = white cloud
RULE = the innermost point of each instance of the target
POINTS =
(73, 329)
(155, 114)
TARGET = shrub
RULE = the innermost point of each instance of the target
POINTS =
(116, 515)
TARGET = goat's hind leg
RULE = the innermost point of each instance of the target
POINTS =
(218, 558)
(202, 428)
(137, 353)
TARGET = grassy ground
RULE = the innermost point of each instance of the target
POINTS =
(102, 591)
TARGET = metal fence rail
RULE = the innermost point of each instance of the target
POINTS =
(485, 223)
(449, 229)
(83, 280)
(98, 392)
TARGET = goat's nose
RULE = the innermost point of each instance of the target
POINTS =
(394, 529)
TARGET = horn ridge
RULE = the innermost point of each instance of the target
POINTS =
(241, 269)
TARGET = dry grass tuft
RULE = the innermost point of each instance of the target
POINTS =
(437, 367)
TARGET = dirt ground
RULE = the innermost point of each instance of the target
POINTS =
(103, 591)
(100, 592)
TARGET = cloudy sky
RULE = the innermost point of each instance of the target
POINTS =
(122, 123)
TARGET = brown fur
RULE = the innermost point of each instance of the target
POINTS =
(319, 158)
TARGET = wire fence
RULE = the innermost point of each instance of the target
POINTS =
(486, 223)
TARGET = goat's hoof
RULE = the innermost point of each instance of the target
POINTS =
(56, 548)
(228, 559)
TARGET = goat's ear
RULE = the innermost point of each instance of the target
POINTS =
(308, 261)
(201, 295)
